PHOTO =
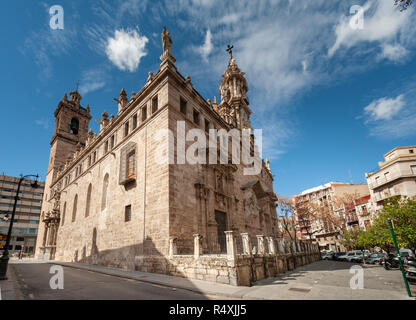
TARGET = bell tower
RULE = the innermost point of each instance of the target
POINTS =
(233, 90)
(71, 129)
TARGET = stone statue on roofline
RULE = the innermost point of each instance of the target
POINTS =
(166, 42)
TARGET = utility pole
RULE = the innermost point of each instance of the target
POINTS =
(400, 259)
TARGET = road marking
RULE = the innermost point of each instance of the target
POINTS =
(158, 286)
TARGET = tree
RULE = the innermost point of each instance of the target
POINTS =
(286, 218)
(323, 215)
(402, 212)
(351, 238)
(403, 4)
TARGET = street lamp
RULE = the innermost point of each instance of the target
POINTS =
(4, 260)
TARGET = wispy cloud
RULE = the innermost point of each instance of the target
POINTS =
(390, 118)
(126, 49)
(44, 123)
(383, 24)
(92, 80)
(206, 49)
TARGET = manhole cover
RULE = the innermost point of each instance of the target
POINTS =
(300, 289)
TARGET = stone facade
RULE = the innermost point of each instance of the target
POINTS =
(111, 200)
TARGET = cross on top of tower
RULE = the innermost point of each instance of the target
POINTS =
(230, 51)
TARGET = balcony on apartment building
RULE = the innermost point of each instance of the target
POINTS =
(386, 178)
(385, 194)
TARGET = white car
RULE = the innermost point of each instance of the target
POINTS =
(349, 255)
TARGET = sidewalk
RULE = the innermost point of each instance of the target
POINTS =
(9, 289)
(309, 282)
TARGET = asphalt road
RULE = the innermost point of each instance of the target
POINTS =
(79, 284)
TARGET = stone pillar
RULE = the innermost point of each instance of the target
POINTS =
(298, 246)
(280, 244)
(260, 242)
(247, 247)
(272, 248)
(197, 246)
(173, 249)
(231, 249)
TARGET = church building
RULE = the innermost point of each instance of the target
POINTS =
(109, 201)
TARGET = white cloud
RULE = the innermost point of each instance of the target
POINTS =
(393, 52)
(384, 108)
(390, 118)
(207, 47)
(44, 123)
(382, 23)
(126, 49)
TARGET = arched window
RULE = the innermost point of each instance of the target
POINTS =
(63, 214)
(74, 208)
(74, 126)
(104, 201)
(87, 208)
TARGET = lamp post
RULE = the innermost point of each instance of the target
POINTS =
(4, 260)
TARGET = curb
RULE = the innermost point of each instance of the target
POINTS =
(108, 272)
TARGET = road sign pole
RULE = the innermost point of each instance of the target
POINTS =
(400, 259)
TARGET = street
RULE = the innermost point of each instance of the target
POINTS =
(86, 285)
(322, 280)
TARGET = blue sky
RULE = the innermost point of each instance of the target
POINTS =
(331, 100)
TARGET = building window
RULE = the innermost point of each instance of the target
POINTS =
(104, 200)
(183, 106)
(126, 129)
(144, 113)
(94, 156)
(89, 160)
(87, 208)
(74, 208)
(154, 104)
(112, 142)
(127, 213)
(411, 151)
(63, 214)
(106, 147)
(196, 117)
(135, 121)
(206, 126)
(413, 169)
(131, 165)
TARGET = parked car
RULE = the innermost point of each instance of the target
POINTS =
(349, 255)
(328, 256)
(410, 269)
(359, 258)
(404, 253)
(374, 258)
(337, 255)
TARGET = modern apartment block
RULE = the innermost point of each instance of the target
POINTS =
(323, 232)
(28, 209)
(396, 176)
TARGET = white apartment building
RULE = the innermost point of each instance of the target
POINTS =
(396, 176)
